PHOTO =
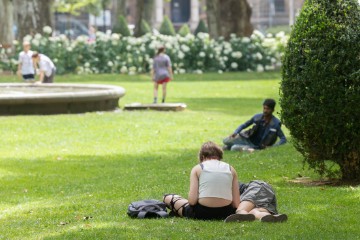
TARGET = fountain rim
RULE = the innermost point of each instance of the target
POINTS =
(91, 92)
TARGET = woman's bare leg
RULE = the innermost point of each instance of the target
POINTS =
(243, 213)
(156, 87)
(176, 203)
(164, 91)
(260, 212)
(245, 207)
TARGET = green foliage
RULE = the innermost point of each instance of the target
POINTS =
(145, 28)
(116, 53)
(320, 89)
(73, 7)
(122, 27)
(201, 27)
(167, 27)
(184, 30)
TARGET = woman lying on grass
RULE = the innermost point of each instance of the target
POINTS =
(214, 188)
(258, 201)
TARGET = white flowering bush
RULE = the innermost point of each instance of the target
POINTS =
(113, 53)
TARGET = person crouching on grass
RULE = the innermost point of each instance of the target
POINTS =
(46, 67)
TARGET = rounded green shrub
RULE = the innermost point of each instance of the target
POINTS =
(184, 30)
(145, 28)
(201, 27)
(167, 28)
(320, 87)
(121, 27)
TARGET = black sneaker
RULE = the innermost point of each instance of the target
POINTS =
(240, 218)
(275, 218)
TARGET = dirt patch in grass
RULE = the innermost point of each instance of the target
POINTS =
(324, 182)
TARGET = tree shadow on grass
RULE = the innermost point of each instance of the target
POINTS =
(231, 106)
(325, 182)
(229, 76)
(104, 78)
(145, 78)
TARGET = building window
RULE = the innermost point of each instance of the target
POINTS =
(180, 11)
(279, 5)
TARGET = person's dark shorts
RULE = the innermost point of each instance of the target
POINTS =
(28, 77)
(261, 194)
(208, 213)
(49, 79)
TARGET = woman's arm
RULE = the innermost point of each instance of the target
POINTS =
(19, 70)
(152, 74)
(235, 189)
(41, 76)
(194, 185)
(171, 73)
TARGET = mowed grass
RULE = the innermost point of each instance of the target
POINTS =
(73, 176)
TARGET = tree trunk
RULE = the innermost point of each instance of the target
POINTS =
(6, 20)
(245, 26)
(138, 17)
(33, 15)
(233, 16)
(213, 18)
(119, 8)
(148, 12)
(350, 166)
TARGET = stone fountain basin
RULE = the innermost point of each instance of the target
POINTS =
(19, 99)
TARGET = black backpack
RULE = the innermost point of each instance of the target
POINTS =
(147, 209)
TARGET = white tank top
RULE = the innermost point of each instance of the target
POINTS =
(215, 180)
(25, 58)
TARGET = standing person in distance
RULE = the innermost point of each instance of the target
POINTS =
(46, 67)
(161, 72)
(26, 68)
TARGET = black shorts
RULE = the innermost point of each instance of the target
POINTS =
(28, 76)
(208, 213)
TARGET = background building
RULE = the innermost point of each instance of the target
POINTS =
(265, 13)
(270, 13)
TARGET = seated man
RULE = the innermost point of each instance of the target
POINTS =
(266, 128)
(257, 201)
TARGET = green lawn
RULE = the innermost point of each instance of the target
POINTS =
(56, 170)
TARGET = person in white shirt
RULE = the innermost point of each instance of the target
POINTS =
(26, 68)
(46, 67)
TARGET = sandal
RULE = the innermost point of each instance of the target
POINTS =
(274, 218)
